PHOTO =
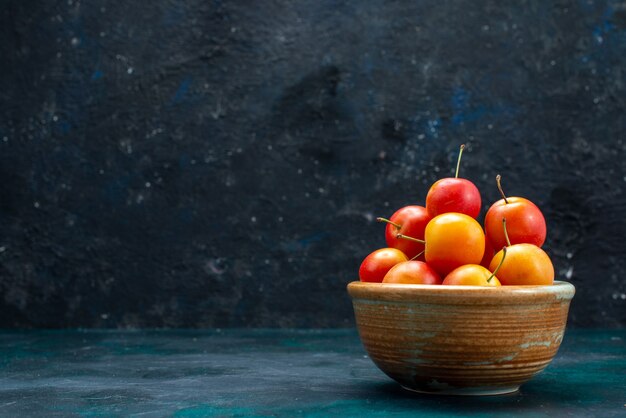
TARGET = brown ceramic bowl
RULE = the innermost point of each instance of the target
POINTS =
(463, 340)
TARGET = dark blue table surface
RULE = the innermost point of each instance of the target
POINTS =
(274, 373)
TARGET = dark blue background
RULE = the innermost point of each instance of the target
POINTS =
(198, 163)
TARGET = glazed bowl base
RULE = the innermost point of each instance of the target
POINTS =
(467, 391)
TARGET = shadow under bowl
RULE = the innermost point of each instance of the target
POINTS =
(461, 340)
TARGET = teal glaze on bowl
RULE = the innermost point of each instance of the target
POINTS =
(461, 340)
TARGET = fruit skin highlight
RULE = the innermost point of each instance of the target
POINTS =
(412, 272)
(378, 263)
(452, 240)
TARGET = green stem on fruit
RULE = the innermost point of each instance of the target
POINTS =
(498, 178)
(506, 234)
(458, 161)
(416, 257)
(402, 236)
(499, 265)
(389, 222)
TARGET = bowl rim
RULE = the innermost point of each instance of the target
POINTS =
(559, 290)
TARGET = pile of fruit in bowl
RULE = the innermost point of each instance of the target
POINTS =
(442, 243)
(449, 307)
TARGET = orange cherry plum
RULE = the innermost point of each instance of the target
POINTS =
(525, 222)
(525, 264)
(412, 272)
(409, 220)
(378, 263)
(452, 239)
(473, 275)
(453, 195)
